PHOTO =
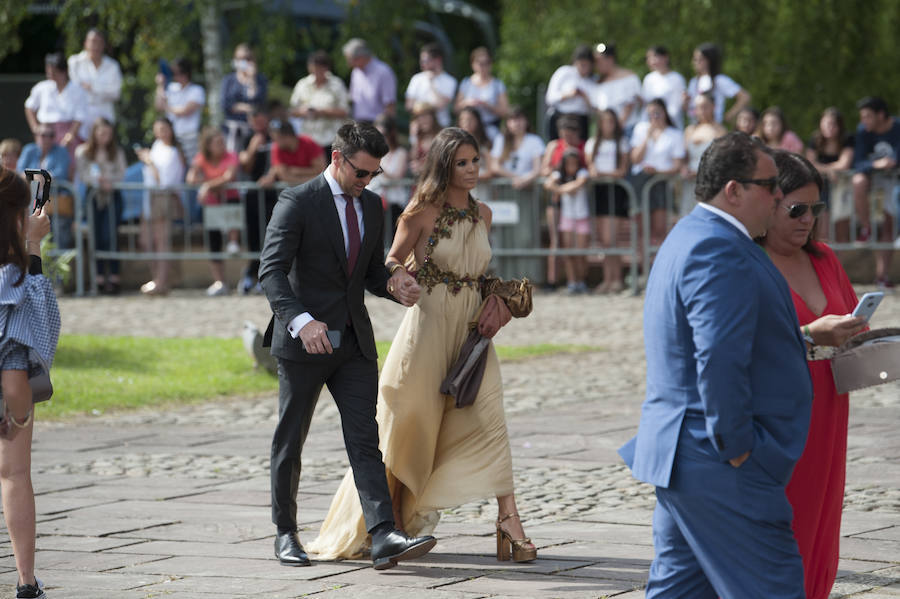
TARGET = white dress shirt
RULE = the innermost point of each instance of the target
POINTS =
(106, 87)
(340, 204)
(740, 226)
(54, 106)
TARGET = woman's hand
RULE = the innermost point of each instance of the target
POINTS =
(835, 329)
(36, 228)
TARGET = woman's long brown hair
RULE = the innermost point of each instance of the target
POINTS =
(14, 196)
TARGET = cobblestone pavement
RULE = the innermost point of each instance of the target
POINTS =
(157, 504)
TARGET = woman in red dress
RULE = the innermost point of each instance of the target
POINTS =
(823, 299)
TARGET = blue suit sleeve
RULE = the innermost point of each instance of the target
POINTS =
(721, 305)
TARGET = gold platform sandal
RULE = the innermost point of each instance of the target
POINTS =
(521, 550)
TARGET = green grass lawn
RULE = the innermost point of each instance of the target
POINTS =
(114, 373)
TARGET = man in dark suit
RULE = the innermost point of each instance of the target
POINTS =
(728, 392)
(323, 249)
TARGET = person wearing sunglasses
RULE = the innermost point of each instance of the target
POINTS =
(728, 390)
(323, 249)
(823, 299)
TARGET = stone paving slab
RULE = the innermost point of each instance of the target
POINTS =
(174, 503)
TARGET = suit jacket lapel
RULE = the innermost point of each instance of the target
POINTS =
(329, 216)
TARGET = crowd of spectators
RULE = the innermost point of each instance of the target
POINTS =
(600, 114)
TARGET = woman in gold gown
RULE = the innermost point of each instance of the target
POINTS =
(437, 455)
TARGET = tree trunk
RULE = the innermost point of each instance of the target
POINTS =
(211, 32)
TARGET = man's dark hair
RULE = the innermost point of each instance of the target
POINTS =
(606, 49)
(660, 50)
(183, 65)
(875, 104)
(583, 52)
(433, 49)
(282, 127)
(354, 136)
(732, 156)
(568, 121)
(320, 58)
(58, 61)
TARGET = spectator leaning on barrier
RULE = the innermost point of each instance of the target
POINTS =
(373, 84)
(607, 156)
(295, 158)
(875, 152)
(432, 85)
(45, 153)
(164, 167)
(183, 102)
(100, 77)
(773, 130)
(321, 100)
(100, 164)
(212, 169)
(831, 152)
(657, 148)
(516, 153)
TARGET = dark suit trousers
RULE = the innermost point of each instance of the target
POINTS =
(352, 380)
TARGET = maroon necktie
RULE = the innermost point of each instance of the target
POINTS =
(352, 233)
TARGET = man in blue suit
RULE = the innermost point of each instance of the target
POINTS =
(728, 392)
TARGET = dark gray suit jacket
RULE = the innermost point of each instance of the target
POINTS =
(303, 266)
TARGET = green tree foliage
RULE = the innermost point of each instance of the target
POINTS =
(11, 16)
(802, 56)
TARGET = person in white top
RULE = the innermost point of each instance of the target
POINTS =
(707, 63)
(394, 191)
(100, 77)
(569, 182)
(432, 85)
(607, 157)
(619, 88)
(697, 138)
(321, 99)
(657, 149)
(59, 102)
(571, 91)
(164, 167)
(483, 92)
(183, 102)
(663, 82)
(516, 153)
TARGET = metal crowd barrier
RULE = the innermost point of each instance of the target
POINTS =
(516, 232)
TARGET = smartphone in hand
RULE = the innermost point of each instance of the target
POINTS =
(868, 304)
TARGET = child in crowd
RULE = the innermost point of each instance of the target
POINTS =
(568, 182)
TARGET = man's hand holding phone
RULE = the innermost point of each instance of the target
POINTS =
(315, 338)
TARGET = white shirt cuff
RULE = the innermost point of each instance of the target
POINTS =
(299, 321)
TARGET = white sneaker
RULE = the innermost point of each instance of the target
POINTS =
(217, 288)
(233, 248)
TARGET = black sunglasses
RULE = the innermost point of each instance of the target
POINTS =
(798, 210)
(360, 173)
(771, 183)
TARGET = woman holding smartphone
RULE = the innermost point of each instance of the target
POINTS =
(823, 299)
(29, 320)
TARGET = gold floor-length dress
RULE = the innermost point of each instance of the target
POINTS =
(443, 456)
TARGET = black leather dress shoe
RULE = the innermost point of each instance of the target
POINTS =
(395, 546)
(289, 551)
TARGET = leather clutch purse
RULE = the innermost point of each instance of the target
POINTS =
(868, 359)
